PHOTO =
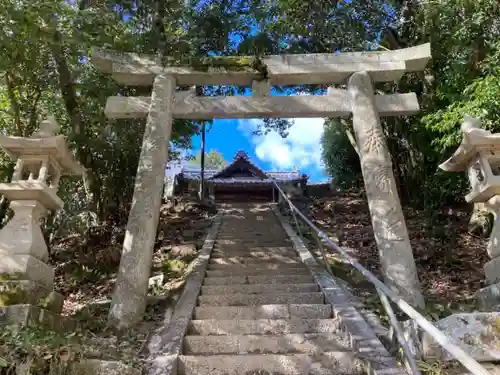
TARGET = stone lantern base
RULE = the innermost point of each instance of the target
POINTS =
(26, 302)
(477, 333)
(488, 298)
(26, 281)
(26, 294)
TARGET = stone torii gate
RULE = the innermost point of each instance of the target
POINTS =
(359, 70)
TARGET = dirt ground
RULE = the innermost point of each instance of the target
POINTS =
(449, 259)
(86, 266)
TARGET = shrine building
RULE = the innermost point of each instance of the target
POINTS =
(241, 180)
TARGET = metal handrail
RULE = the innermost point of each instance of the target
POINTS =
(460, 355)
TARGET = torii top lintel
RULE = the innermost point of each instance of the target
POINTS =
(383, 66)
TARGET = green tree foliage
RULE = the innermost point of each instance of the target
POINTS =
(339, 155)
(213, 160)
(462, 78)
(45, 69)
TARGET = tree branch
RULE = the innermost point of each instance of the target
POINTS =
(15, 104)
(160, 28)
(33, 112)
(83, 154)
(65, 83)
(352, 139)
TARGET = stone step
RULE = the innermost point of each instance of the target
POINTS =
(254, 249)
(309, 343)
(261, 326)
(262, 241)
(263, 312)
(247, 223)
(250, 244)
(257, 248)
(257, 265)
(259, 288)
(256, 279)
(254, 238)
(330, 363)
(291, 259)
(251, 261)
(259, 242)
(254, 218)
(258, 272)
(235, 238)
(245, 299)
(245, 232)
(216, 254)
(253, 234)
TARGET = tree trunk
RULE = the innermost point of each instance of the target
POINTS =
(4, 206)
(350, 135)
(84, 155)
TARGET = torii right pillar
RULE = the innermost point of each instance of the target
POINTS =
(388, 222)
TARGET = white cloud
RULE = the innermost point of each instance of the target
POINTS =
(302, 147)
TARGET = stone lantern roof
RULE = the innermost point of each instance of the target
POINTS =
(44, 157)
(474, 140)
(44, 142)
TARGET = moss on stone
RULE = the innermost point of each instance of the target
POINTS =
(229, 63)
(12, 296)
(491, 335)
(52, 302)
(11, 293)
(11, 276)
(203, 63)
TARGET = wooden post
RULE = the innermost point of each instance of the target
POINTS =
(202, 185)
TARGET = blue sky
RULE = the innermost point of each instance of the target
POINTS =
(300, 149)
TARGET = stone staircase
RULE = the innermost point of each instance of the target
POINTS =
(260, 311)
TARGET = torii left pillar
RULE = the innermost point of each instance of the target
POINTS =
(129, 298)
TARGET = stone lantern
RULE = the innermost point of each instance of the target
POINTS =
(476, 333)
(26, 280)
(479, 155)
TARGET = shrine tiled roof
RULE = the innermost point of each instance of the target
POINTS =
(241, 162)
(223, 175)
(195, 174)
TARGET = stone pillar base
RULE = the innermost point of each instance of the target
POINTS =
(26, 295)
(492, 271)
(475, 333)
(25, 267)
(488, 298)
(22, 234)
(130, 305)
